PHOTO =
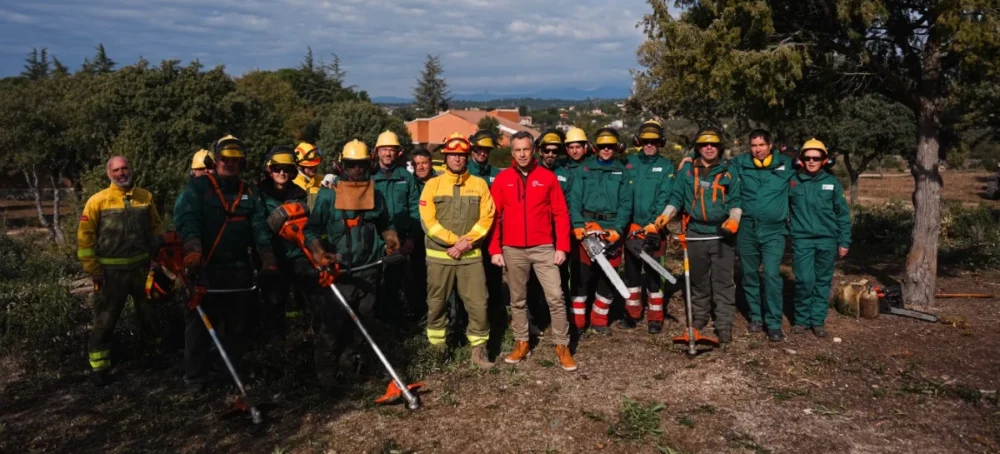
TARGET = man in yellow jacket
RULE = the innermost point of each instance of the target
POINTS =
(456, 212)
(308, 159)
(113, 242)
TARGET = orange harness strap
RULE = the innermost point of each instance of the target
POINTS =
(229, 211)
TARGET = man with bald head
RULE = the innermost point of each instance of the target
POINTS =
(113, 242)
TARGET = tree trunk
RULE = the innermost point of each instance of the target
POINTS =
(919, 282)
(32, 180)
(854, 189)
(853, 173)
(56, 226)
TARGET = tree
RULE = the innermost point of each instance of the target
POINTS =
(762, 61)
(319, 83)
(58, 69)
(489, 123)
(431, 94)
(360, 120)
(99, 64)
(36, 65)
(300, 121)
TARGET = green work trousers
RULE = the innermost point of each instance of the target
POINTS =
(109, 301)
(468, 278)
(759, 244)
(813, 263)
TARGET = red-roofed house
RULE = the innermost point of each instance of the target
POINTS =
(431, 132)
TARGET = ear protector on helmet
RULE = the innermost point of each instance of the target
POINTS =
(550, 137)
(355, 147)
(281, 154)
(231, 147)
(651, 127)
(481, 136)
(813, 144)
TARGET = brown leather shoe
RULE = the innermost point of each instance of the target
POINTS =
(480, 358)
(521, 351)
(565, 358)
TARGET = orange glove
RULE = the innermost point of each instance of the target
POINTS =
(651, 229)
(579, 233)
(661, 222)
(593, 227)
(326, 278)
(731, 225)
(613, 236)
(327, 259)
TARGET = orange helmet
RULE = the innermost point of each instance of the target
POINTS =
(307, 155)
(456, 144)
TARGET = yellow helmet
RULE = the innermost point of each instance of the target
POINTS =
(387, 139)
(484, 138)
(355, 150)
(650, 130)
(281, 155)
(606, 136)
(229, 147)
(814, 144)
(202, 159)
(708, 135)
(307, 154)
(456, 144)
(551, 137)
(575, 135)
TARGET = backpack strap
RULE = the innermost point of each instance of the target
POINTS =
(230, 209)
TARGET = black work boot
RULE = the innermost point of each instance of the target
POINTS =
(819, 331)
(602, 330)
(775, 335)
(654, 327)
(756, 327)
(799, 329)
(725, 336)
(625, 323)
(100, 378)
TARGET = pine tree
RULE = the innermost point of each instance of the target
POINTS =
(100, 64)
(59, 69)
(431, 93)
(36, 66)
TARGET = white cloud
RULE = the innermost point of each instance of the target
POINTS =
(517, 45)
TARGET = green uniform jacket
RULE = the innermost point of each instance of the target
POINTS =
(707, 197)
(401, 197)
(285, 251)
(819, 209)
(359, 245)
(200, 214)
(602, 194)
(764, 191)
(652, 181)
(485, 171)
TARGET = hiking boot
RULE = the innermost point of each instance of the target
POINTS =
(100, 378)
(602, 330)
(565, 358)
(819, 331)
(654, 327)
(625, 323)
(481, 358)
(521, 351)
(799, 329)
(725, 336)
(756, 327)
(775, 335)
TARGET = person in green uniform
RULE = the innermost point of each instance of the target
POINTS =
(764, 175)
(276, 189)
(577, 148)
(220, 217)
(202, 162)
(652, 178)
(601, 201)
(821, 233)
(399, 188)
(709, 197)
(350, 225)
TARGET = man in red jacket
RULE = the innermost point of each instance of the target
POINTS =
(529, 204)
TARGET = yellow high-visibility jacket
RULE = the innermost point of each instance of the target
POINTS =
(117, 229)
(311, 186)
(454, 207)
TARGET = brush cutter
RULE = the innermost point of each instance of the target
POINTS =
(288, 221)
(168, 258)
(691, 336)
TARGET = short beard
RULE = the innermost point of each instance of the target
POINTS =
(126, 185)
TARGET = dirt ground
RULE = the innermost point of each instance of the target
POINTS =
(889, 385)
(969, 188)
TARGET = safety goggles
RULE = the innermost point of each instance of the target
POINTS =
(812, 159)
(457, 145)
(287, 169)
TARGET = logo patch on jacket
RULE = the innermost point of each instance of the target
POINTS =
(616, 173)
(792, 184)
(827, 187)
(423, 203)
(84, 218)
(781, 167)
(244, 197)
(657, 169)
(536, 184)
(561, 178)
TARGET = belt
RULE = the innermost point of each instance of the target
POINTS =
(599, 216)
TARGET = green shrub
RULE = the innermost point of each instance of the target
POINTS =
(885, 229)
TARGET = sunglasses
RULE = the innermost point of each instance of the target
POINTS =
(645, 142)
(812, 159)
(549, 151)
(282, 168)
(607, 146)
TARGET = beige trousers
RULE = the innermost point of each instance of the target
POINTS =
(519, 263)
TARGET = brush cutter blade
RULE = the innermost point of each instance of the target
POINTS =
(698, 339)
(393, 393)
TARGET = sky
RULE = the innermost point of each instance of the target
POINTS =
(512, 46)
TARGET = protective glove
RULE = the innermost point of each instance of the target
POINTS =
(268, 263)
(328, 260)
(98, 280)
(391, 241)
(197, 297)
(326, 278)
(731, 225)
(579, 233)
(192, 254)
(652, 241)
(613, 236)
(664, 218)
(593, 227)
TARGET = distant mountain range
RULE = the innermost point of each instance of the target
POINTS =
(569, 94)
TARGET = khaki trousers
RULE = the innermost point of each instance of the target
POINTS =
(519, 263)
(467, 278)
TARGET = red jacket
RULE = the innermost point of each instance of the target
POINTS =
(527, 209)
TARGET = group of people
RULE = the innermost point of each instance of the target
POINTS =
(466, 231)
